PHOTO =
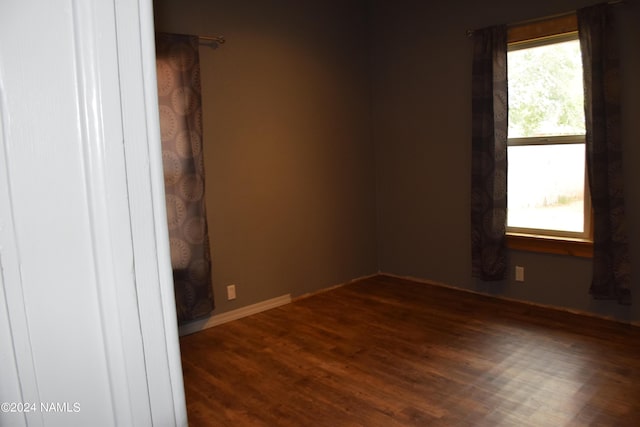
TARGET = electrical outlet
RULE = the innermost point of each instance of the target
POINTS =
(231, 292)
(519, 273)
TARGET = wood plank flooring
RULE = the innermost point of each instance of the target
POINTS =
(389, 352)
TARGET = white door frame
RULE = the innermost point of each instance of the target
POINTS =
(87, 312)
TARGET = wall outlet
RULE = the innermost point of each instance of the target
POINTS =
(519, 273)
(231, 292)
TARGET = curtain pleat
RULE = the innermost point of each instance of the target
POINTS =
(489, 154)
(179, 98)
(611, 262)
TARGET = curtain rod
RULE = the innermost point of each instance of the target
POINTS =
(212, 42)
(469, 33)
(213, 39)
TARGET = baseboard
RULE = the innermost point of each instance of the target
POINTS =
(330, 288)
(248, 310)
(239, 313)
(501, 297)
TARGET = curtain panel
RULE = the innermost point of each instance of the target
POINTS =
(489, 154)
(600, 58)
(178, 71)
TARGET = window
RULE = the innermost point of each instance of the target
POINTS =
(547, 186)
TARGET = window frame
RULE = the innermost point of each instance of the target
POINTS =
(527, 35)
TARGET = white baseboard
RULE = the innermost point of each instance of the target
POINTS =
(248, 310)
(241, 312)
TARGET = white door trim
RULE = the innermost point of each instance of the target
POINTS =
(87, 311)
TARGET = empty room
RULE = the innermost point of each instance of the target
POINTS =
(338, 160)
(319, 213)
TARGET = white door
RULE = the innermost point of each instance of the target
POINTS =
(88, 332)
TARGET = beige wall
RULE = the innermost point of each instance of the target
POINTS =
(421, 126)
(289, 161)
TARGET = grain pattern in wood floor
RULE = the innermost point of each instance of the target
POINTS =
(391, 352)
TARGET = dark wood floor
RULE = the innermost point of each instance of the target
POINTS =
(388, 352)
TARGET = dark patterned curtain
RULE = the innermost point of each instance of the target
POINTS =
(489, 154)
(178, 70)
(611, 263)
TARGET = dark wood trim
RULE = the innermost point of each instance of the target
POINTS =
(543, 28)
(550, 245)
